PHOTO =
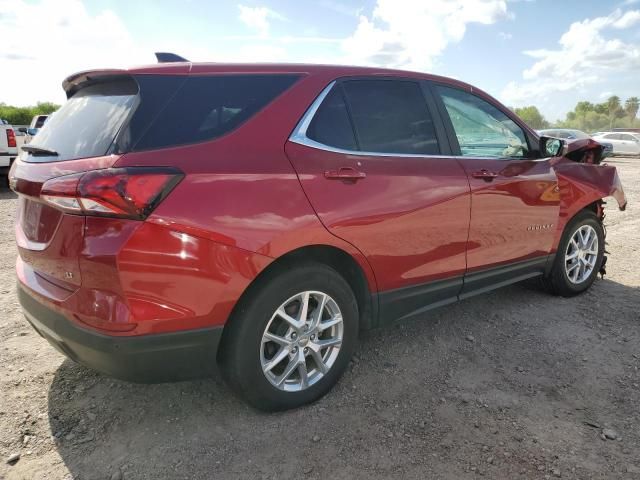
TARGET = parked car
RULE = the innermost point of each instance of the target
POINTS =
(572, 134)
(627, 129)
(8, 148)
(257, 217)
(37, 122)
(624, 143)
(20, 131)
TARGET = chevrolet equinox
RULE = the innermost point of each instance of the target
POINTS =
(181, 218)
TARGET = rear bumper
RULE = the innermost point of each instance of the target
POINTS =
(144, 359)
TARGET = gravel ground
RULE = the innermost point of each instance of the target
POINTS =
(512, 384)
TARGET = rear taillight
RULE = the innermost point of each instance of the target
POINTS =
(117, 192)
(11, 138)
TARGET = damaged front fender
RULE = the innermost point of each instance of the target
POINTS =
(581, 185)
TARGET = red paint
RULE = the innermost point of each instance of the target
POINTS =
(251, 196)
(502, 209)
(409, 216)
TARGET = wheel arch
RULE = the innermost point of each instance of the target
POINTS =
(332, 256)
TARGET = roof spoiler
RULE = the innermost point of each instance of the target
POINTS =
(166, 57)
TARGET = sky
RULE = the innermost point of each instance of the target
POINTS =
(547, 53)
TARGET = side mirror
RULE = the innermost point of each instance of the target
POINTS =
(551, 147)
(32, 131)
(22, 129)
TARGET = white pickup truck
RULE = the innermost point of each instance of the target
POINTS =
(8, 148)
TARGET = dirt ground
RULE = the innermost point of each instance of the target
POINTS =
(512, 384)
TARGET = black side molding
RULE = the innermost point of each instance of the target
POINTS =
(412, 301)
(167, 57)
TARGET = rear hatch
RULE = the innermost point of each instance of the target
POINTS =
(74, 170)
(85, 136)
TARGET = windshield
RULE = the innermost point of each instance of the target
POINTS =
(87, 124)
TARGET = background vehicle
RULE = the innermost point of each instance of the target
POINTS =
(185, 225)
(8, 148)
(571, 134)
(628, 130)
(623, 143)
(37, 122)
(20, 131)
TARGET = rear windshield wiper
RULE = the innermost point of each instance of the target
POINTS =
(33, 150)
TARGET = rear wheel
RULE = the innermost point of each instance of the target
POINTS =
(291, 338)
(579, 256)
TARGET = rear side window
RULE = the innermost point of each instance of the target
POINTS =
(391, 116)
(207, 107)
(86, 125)
(331, 125)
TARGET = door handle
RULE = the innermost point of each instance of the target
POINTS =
(345, 173)
(484, 174)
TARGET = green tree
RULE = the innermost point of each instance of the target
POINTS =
(614, 109)
(23, 115)
(631, 107)
(601, 108)
(532, 117)
(582, 108)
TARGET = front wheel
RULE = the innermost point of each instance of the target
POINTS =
(291, 338)
(579, 256)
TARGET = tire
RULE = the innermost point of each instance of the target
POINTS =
(563, 279)
(245, 354)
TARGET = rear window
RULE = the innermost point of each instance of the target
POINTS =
(86, 125)
(153, 111)
(207, 107)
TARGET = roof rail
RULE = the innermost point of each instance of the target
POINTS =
(166, 57)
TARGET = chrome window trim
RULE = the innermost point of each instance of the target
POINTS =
(299, 136)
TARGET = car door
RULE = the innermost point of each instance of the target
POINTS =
(515, 199)
(374, 162)
(630, 145)
(615, 140)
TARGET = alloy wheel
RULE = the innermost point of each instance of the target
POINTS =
(581, 254)
(302, 341)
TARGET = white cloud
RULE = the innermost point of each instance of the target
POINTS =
(257, 18)
(505, 35)
(412, 33)
(629, 19)
(66, 39)
(587, 55)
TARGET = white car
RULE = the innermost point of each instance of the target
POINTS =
(624, 143)
(8, 147)
(37, 122)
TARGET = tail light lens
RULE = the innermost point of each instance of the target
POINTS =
(11, 138)
(118, 192)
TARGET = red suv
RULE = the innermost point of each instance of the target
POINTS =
(181, 217)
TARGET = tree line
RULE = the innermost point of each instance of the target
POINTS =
(589, 117)
(23, 115)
